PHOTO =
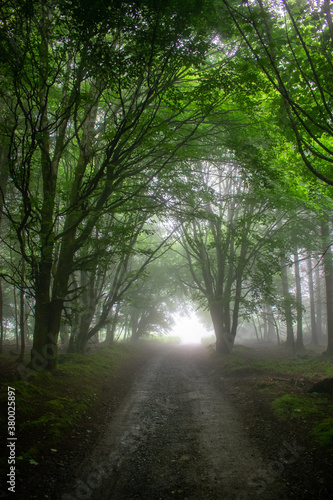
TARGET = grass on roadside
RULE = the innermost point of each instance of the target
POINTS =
(277, 375)
(48, 404)
(246, 361)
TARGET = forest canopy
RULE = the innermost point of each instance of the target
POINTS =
(154, 154)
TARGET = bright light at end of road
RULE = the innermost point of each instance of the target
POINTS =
(189, 329)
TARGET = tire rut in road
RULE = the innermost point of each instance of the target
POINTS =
(174, 437)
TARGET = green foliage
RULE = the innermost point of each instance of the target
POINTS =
(313, 366)
(244, 360)
(291, 45)
(323, 432)
(281, 383)
(50, 405)
(116, 113)
(296, 407)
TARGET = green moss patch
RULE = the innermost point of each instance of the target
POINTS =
(49, 405)
(292, 406)
(323, 432)
(280, 383)
(310, 367)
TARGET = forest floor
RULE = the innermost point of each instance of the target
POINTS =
(178, 422)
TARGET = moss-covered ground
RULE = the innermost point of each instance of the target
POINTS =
(283, 384)
(50, 405)
(60, 414)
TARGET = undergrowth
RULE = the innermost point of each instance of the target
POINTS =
(245, 360)
(48, 405)
(276, 374)
(291, 406)
(323, 432)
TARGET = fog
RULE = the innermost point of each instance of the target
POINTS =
(189, 329)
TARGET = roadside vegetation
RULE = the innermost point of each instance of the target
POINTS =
(50, 406)
(65, 408)
(298, 391)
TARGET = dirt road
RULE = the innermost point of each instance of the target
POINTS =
(176, 436)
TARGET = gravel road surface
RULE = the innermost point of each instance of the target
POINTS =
(176, 436)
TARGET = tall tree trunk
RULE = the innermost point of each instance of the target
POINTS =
(269, 319)
(49, 304)
(299, 346)
(1, 319)
(16, 317)
(22, 325)
(256, 329)
(47, 325)
(314, 334)
(224, 341)
(328, 270)
(319, 301)
(89, 307)
(140, 323)
(73, 335)
(276, 325)
(4, 173)
(22, 307)
(134, 320)
(64, 334)
(112, 325)
(265, 325)
(22, 313)
(44, 349)
(290, 341)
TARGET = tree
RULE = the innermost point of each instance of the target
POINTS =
(224, 250)
(291, 43)
(319, 297)
(328, 271)
(116, 113)
(138, 249)
(314, 332)
(101, 103)
(287, 305)
(299, 346)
